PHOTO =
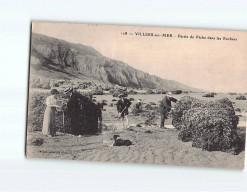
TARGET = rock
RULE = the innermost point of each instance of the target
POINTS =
(241, 97)
(139, 125)
(149, 91)
(130, 129)
(148, 107)
(132, 92)
(237, 109)
(208, 95)
(108, 128)
(97, 92)
(38, 142)
(177, 91)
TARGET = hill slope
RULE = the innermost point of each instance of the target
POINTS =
(57, 59)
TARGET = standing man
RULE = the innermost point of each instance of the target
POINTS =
(122, 107)
(165, 107)
(100, 107)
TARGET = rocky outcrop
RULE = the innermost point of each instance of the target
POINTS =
(77, 60)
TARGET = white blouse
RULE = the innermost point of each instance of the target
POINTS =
(51, 101)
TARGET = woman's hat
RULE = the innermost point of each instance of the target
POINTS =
(54, 91)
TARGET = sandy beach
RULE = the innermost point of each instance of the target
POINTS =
(151, 145)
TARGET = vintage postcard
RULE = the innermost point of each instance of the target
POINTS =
(137, 94)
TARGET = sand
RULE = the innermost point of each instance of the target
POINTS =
(151, 145)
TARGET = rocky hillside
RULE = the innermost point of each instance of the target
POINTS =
(57, 59)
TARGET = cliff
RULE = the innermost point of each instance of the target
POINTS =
(58, 59)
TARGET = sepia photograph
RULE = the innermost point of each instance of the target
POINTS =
(137, 94)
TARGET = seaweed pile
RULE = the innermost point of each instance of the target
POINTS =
(36, 109)
(184, 104)
(151, 118)
(210, 125)
(87, 117)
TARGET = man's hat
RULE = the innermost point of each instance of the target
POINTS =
(121, 95)
(69, 89)
(169, 94)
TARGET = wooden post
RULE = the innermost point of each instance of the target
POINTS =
(63, 124)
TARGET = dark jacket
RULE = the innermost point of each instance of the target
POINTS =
(166, 105)
(123, 104)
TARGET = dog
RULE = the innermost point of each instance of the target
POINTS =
(121, 142)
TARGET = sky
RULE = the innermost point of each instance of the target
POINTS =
(208, 64)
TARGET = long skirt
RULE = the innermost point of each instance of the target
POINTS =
(49, 124)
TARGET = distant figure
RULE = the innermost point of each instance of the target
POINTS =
(121, 142)
(49, 122)
(138, 105)
(122, 107)
(100, 107)
(165, 107)
(137, 108)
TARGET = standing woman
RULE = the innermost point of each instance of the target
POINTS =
(49, 123)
